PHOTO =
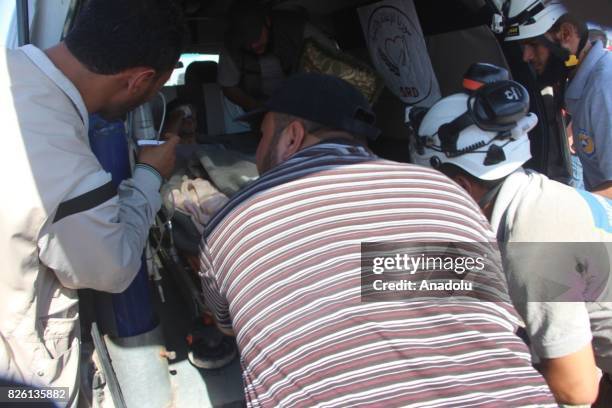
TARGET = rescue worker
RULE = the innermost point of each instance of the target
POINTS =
(481, 142)
(63, 226)
(556, 45)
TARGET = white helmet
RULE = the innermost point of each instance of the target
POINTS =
(485, 133)
(529, 18)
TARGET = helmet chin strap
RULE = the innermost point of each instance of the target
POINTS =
(570, 60)
(573, 60)
(490, 195)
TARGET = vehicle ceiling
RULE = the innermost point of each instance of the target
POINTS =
(207, 18)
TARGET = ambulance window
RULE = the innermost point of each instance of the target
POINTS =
(178, 75)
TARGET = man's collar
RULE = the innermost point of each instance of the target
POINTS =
(342, 145)
(510, 187)
(577, 84)
(40, 59)
(340, 140)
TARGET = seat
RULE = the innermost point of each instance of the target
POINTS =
(215, 113)
(452, 53)
(198, 76)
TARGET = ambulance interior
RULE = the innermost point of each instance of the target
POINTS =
(141, 351)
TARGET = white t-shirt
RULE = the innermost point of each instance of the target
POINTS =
(566, 255)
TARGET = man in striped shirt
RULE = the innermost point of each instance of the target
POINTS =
(280, 269)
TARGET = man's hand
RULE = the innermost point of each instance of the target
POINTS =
(161, 158)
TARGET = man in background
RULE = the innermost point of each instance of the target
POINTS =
(262, 48)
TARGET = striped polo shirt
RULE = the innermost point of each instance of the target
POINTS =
(281, 268)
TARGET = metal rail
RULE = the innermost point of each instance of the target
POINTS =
(23, 23)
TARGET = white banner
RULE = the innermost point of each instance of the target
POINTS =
(397, 47)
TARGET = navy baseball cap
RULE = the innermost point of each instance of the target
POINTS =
(324, 99)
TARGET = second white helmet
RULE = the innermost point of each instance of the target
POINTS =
(529, 18)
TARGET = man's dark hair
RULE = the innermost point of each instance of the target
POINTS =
(110, 36)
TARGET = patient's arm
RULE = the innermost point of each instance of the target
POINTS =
(241, 98)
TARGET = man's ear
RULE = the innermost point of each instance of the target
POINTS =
(567, 33)
(139, 80)
(291, 140)
(464, 183)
